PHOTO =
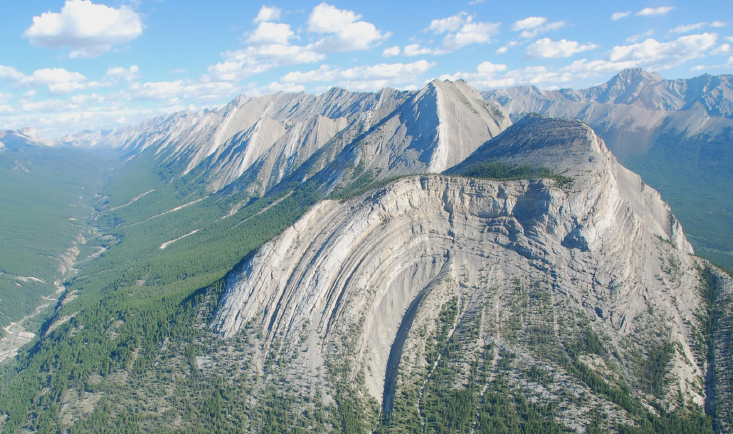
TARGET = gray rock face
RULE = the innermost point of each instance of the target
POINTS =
(270, 137)
(365, 280)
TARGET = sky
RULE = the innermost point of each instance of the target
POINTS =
(72, 65)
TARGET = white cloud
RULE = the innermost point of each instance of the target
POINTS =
(175, 91)
(583, 68)
(344, 32)
(471, 33)
(8, 72)
(506, 47)
(323, 73)
(618, 15)
(531, 33)
(637, 38)
(699, 68)
(5, 97)
(652, 53)
(50, 76)
(722, 49)
(253, 60)
(655, 11)
(88, 29)
(488, 67)
(391, 51)
(416, 50)
(461, 30)
(270, 33)
(49, 105)
(532, 26)
(363, 78)
(490, 76)
(450, 24)
(268, 13)
(718, 24)
(274, 87)
(118, 73)
(546, 47)
(686, 28)
(528, 23)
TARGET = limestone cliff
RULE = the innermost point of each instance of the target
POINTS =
(532, 270)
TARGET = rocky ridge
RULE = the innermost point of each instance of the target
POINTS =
(365, 280)
(258, 142)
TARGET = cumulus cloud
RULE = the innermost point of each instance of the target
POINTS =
(362, 78)
(274, 87)
(636, 38)
(528, 23)
(652, 53)
(583, 68)
(532, 26)
(416, 50)
(546, 48)
(58, 80)
(506, 47)
(270, 33)
(460, 30)
(343, 29)
(488, 75)
(117, 74)
(8, 72)
(655, 11)
(174, 91)
(391, 51)
(268, 13)
(618, 15)
(450, 24)
(88, 29)
(253, 60)
(722, 49)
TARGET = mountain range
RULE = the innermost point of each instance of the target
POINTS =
(676, 134)
(401, 261)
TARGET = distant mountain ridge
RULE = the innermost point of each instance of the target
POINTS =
(29, 136)
(638, 88)
(676, 134)
(269, 137)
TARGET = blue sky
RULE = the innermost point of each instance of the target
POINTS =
(69, 65)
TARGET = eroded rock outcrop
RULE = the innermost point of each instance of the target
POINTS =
(367, 280)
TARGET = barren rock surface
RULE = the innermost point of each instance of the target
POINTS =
(376, 270)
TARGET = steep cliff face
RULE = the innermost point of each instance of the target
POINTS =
(431, 271)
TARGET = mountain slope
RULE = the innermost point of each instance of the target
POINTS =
(675, 133)
(557, 298)
(466, 265)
